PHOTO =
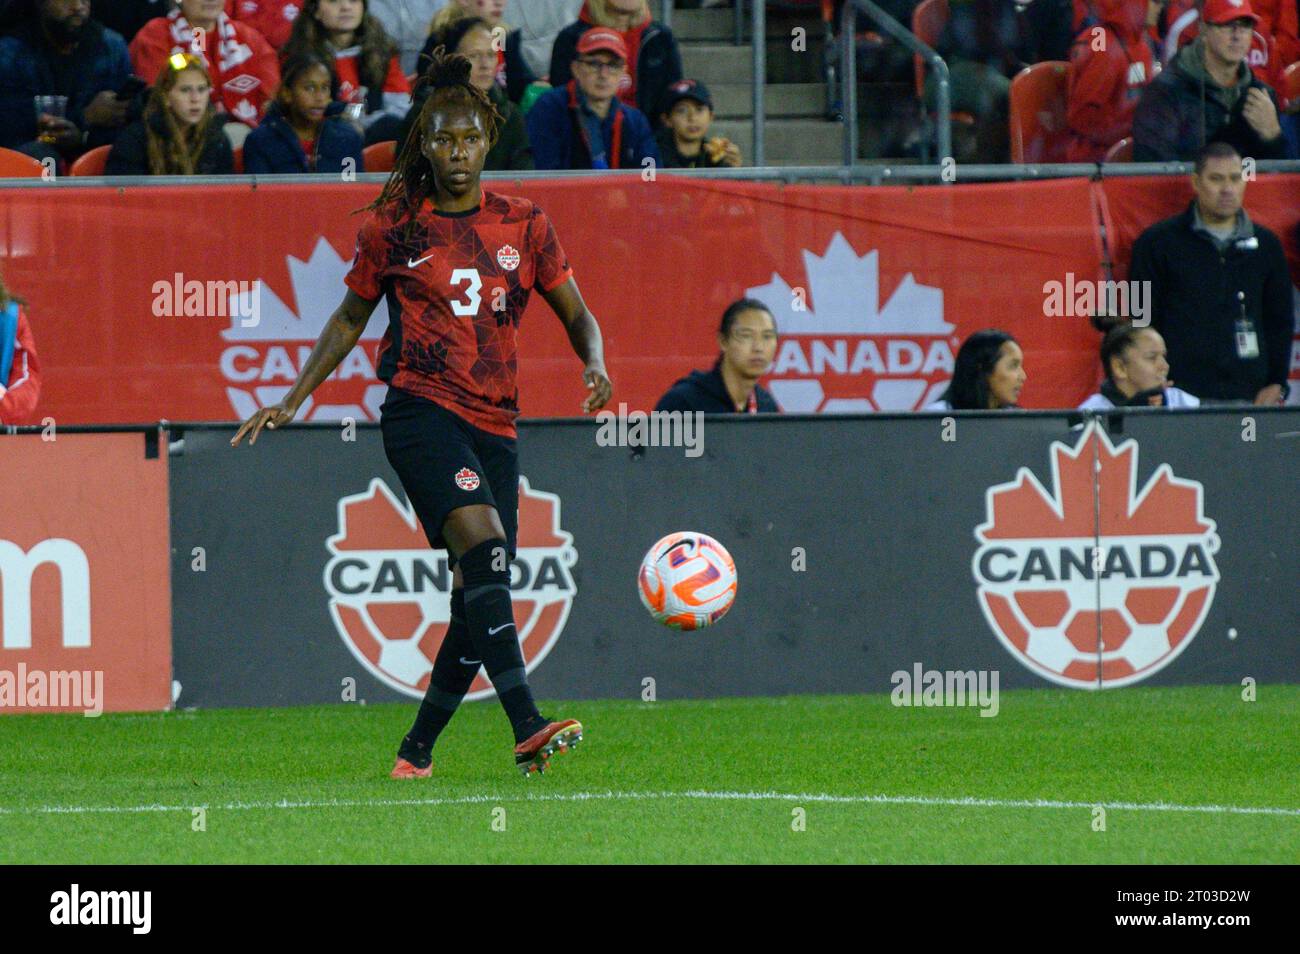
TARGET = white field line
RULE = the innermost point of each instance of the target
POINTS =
(694, 795)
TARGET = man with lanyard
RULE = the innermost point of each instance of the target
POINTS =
(582, 125)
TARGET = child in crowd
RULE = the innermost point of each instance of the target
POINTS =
(304, 130)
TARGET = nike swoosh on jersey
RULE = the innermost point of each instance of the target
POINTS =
(411, 263)
(493, 632)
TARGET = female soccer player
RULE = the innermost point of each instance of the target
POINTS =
(457, 265)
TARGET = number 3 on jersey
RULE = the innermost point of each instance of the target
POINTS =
(474, 283)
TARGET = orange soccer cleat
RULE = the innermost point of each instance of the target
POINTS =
(405, 769)
(533, 754)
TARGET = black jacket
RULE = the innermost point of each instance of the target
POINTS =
(658, 63)
(706, 391)
(274, 148)
(1195, 306)
(1182, 109)
(130, 155)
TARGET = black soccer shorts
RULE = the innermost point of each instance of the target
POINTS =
(444, 462)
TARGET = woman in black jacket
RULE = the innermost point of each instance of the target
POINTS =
(304, 129)
(658, 59)
(180, 134)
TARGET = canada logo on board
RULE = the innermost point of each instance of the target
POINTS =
(1091, 606)
(389, 594)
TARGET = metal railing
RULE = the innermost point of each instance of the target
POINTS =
(856, 174)
(849, 77)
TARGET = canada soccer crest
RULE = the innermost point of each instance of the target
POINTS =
(1091, 604)
(390, 594)
(508, 257)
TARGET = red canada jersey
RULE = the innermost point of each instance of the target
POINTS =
(457, 285)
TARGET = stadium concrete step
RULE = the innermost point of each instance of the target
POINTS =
(723, 63)
(736, 100)
(812, 142)
(720, 24)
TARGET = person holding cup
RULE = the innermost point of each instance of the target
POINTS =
(64, 82)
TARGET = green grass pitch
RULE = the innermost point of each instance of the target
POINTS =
(1188, 775)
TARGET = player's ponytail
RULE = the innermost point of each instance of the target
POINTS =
(445, 83)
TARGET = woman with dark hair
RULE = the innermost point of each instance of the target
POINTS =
(304, 130)
(471, 37)
(509, 72)
(988, 376)
(180, 133)
(747, 337)
(1136, 364)
(457, 266)
(365, 59)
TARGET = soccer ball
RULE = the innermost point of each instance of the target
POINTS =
(687, 581)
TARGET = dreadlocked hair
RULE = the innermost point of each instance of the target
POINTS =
(445, 83)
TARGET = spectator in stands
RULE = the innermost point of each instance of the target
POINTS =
(1273, 45)
(1135, 362)
(988, 376)
(20, 369)
(244, 70)
(582, 125)
(365, 58)
(126, 17)
(271, 18)
(747, 338)
(1109, 71)
(407, 22)
(303, 130)
(986, 43)
(60, 51)
(1208, 93)
(472, 39)
(180, 133)
(654, 61)
(683, 139)
(540, 22)
(512, 73)
(1220, 292)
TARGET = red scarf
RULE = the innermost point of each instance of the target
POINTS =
(616, 143)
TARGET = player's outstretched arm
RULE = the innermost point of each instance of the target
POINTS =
(584, 334)
(339, 336)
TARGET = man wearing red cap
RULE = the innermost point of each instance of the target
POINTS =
(582, 124)
(1208, 94)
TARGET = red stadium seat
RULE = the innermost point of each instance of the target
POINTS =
(17, 165)
(1038, 112)
(1122, 151)
(380, 157)
(92, 163)
(239, 161)
(928, 21)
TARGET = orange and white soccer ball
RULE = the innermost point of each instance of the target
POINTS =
(687, 580)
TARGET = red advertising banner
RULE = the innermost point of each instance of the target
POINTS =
(201, 303)
(85, 611)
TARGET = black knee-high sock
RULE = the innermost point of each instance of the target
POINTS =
(492, 628)
(449, 681)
